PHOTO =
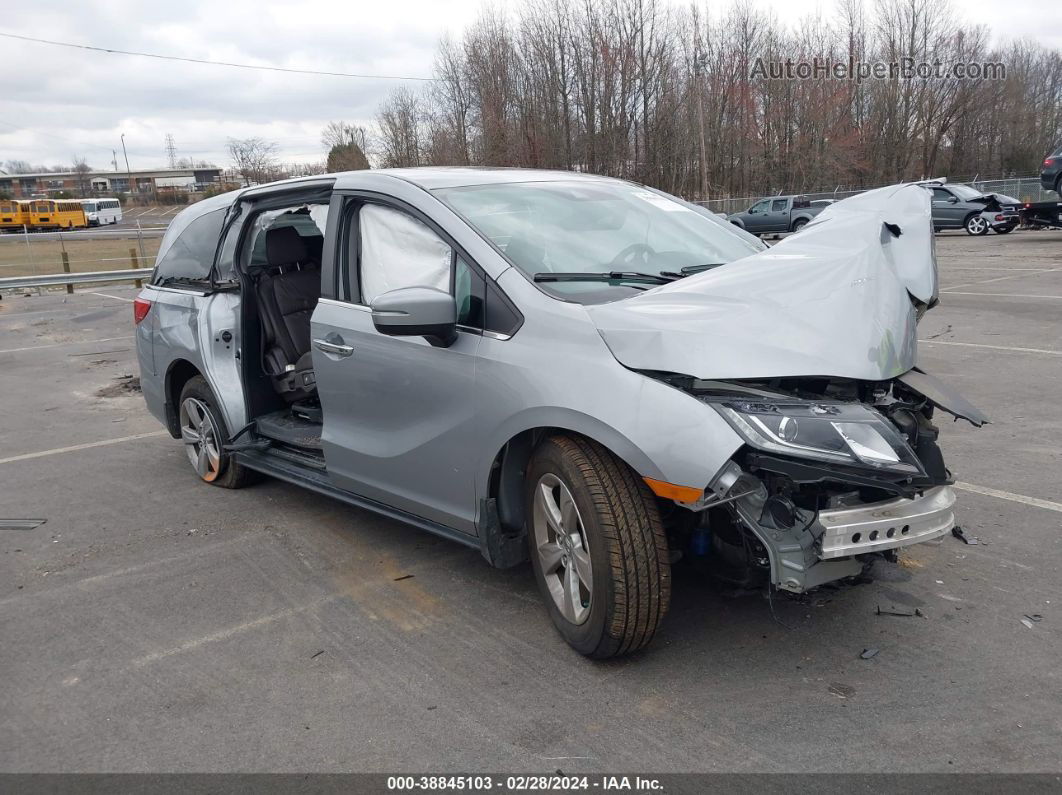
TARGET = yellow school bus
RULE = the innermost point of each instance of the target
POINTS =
(56, 214)
(14, 215)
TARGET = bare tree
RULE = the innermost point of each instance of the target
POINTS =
(254, 159)
(20, 167)
(400, 123)
(346, 144)
(81, 171)
(341, 133)
(632, 87)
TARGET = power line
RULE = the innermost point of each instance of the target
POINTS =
(113, 51)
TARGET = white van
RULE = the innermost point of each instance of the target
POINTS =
(102, 211)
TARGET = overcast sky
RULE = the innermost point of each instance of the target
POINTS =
(59, 102)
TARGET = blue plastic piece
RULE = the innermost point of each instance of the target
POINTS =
(700, 542)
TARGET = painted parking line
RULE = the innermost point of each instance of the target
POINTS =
(86, 446)
(1000, 279)
(228, 632)
(1003, 295)
(57, 344)
(115, 297)
(992, 347)
(1011, 496)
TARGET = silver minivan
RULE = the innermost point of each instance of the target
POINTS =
(579, 371)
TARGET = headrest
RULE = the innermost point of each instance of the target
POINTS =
(284, 246)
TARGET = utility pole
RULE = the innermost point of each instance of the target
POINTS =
(114, 158)
(128, 171)
(699, 63)
(171, 151)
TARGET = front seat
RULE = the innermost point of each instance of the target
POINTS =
(288, 288)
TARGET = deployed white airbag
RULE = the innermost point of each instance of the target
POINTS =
(399, 251)
(831, 300)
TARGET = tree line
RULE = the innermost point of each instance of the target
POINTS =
(676, 98)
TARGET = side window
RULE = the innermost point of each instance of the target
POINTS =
(778, 205)
(940, 195)
(469, 292)
(399, 251)
(191, 254)
(759, 207)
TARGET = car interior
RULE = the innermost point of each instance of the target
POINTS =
(283, 268)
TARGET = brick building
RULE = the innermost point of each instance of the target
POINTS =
(108, 183)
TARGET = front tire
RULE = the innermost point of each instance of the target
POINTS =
(597, 547)
(976, 225)
(204, 434)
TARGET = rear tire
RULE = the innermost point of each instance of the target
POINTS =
(597, 547)
(799, 224)
(975, 225)
(204, 433)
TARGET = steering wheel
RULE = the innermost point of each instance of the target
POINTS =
(633, 257)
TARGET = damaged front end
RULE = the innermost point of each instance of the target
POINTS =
(833, 473)
(808, 351)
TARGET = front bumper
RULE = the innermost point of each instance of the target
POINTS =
(886, 525)
(830, 545)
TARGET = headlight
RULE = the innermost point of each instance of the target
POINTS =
(842, 433)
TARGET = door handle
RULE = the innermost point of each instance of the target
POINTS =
(335, 348)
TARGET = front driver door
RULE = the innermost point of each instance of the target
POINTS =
(399, 418)
(756, 217)
(946, 211)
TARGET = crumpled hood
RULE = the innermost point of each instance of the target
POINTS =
(833, 300)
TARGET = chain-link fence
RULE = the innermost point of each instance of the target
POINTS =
(1024, 187)
(129, 245)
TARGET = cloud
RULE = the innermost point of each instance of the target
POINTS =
(80, 102)
(69, 102)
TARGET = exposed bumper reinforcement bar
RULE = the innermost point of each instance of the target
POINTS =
(886, 525)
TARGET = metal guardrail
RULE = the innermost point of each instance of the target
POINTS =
(59, 279)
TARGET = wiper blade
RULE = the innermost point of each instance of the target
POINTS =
(689, 270)
(610, 276)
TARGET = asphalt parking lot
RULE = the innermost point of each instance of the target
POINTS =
(153, 623)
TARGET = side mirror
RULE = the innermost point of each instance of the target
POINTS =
(417, 312)
(953, 200)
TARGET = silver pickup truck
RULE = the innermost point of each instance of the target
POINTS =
(778, 214)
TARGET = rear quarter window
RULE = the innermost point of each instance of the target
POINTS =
(190, 255)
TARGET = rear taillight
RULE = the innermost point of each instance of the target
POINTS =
(999, 217)
(141, 307)
(1048, 162)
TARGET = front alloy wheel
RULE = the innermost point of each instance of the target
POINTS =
(200, 437)
(976, 225)
(563, 552)
(597, 547)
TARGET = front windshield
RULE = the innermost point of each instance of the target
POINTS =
(597, 228)
(965, 192)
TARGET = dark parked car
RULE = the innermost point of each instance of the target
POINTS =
(777, 214)
(963, 207)
(1051, 176)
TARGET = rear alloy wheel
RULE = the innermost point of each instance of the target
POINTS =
(597, 547)
(201, 438)
(799, 224)
(976, 225)
(204, 434)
